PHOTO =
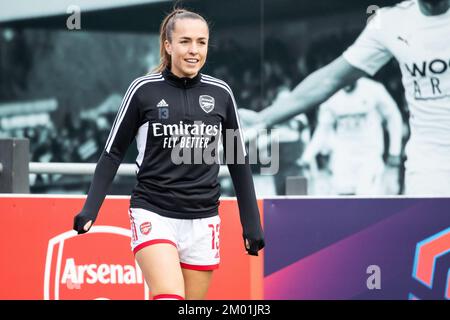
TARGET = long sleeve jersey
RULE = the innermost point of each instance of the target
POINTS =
(178, 124)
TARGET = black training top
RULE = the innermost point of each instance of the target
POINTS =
(178, 124)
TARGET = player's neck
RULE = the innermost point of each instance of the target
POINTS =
(438, 8)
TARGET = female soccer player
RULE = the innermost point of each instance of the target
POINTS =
(177, 116)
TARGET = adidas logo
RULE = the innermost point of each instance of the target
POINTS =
(162, 103)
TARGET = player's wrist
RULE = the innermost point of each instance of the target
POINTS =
(394, 160)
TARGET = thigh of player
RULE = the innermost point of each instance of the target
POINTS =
(154, 245)
(199, 251)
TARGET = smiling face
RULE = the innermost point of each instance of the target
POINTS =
(188, 47)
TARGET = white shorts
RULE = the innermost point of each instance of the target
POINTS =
(197, 240)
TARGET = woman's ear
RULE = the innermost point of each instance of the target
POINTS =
(168, 47)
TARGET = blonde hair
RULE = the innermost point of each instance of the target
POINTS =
(166, 30)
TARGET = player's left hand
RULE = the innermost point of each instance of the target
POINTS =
(254, 245)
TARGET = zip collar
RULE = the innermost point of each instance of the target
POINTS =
(184, 82)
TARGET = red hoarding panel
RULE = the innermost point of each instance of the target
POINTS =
(43, 258)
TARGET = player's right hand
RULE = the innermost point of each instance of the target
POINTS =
(391, 180)
(82, 222)
(248, 117)
(252, 123)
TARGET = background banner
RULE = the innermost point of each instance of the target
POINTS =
(347, 248)
(357, 248)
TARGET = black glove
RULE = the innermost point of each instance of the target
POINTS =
(80, 221)
(253, 245)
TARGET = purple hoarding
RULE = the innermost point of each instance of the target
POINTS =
(353, 248)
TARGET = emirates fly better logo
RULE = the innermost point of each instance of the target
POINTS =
(95, 265)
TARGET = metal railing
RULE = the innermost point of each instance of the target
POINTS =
(126, 169)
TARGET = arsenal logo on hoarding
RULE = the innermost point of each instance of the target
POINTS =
(206, 102)
(97, 265)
